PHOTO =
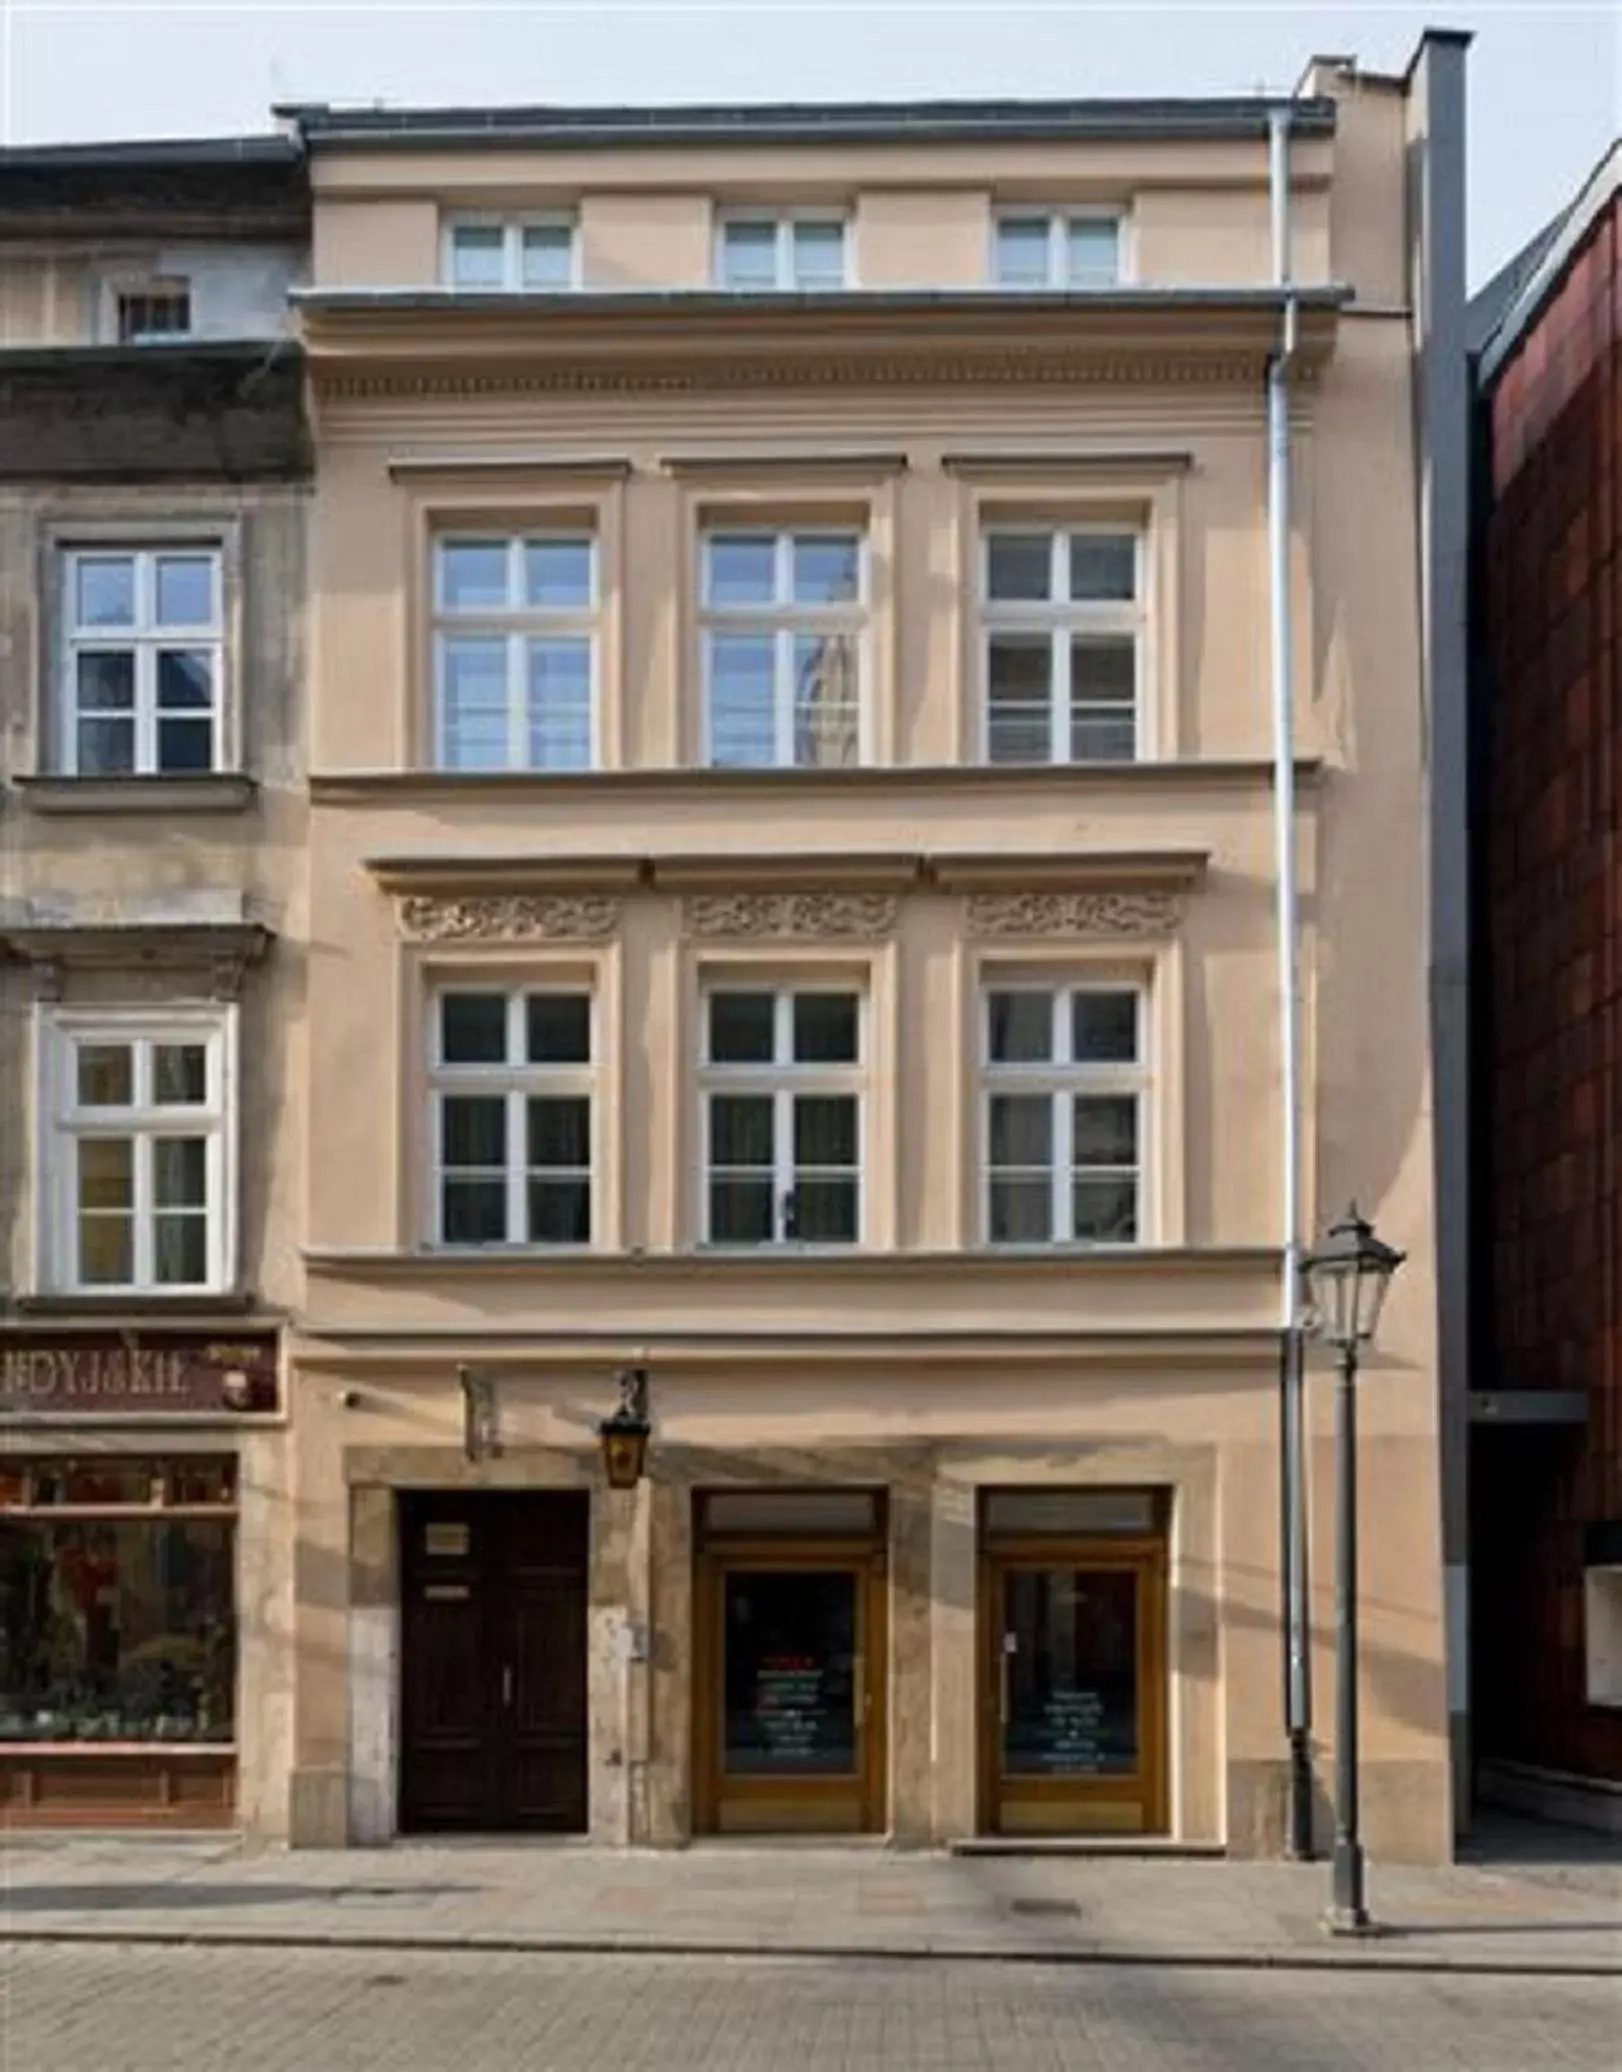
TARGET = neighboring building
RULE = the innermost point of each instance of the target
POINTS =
(792, 883)
(153, 485)
(1546, 1470)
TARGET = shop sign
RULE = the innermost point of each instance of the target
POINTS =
(135, 1374)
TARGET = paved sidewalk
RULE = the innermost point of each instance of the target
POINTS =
(788, 1899)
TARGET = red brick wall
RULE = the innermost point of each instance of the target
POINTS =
(1554, 1067)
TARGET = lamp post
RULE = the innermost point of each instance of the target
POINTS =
(623, 1434)
(1347, 1277)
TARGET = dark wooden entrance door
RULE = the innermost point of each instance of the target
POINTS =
(493, 1661)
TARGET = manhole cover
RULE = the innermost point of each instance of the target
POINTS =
(1066, 1908)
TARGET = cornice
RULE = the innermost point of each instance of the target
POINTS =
(386, 1353)
(426, 345)
(398, 787)
(1081, 1262)
(727, 874)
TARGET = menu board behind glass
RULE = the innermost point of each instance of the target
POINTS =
(791, 1664)
(1070, 1669)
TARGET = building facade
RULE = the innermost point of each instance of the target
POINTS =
(153, 472)
(1547, 1440)
(793, 871)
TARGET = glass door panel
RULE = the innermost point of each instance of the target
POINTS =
(1075, 1697)
(1070, 1673)
(791, 1673)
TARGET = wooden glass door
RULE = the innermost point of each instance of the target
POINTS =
(788, 1690)
(1074, 1688)
(493, 1661)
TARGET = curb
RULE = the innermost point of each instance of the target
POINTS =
(475, 1945)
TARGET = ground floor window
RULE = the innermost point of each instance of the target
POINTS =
(117, 1601)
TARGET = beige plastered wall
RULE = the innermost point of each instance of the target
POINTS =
(124, 866)
(922, 216)
(1190, 1403)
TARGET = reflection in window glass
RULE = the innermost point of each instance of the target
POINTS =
(117, 1630)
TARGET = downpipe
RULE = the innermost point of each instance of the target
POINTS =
(1292, 1403)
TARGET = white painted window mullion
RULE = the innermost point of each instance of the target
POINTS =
(782, 1158)
(517, 1161)
(517, 693)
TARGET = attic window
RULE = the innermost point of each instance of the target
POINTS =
(157, 311)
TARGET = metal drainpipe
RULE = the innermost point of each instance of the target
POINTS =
(1292, 1407)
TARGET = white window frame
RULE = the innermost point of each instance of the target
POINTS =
(784, 622)
(143, 640)
(1062, 619)
(1059, 219)
(60, 1035)
(515, 1080)
(517, 624)
(512, 230)
(1060, 1078)
(782, 222)
(151, 288)
(783, 1080)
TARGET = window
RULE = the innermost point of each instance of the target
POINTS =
(783, 618)
(1063, 1123)
(513, 1092)
(793, 253)
(144, 658)
(1036, 248)
(161, 310)
(1062, 652)
(782, 1117)
(140, 1152)
(516, 651)
(530, 254)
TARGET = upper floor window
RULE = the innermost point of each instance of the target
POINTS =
(160, 309)
(1062, 1091)
(512, 253)
(513, 1090)
(783, 615)
(1062, 649)
(782, 251)
(1056, 248)
(143, 660)
(782, 1116)
(515, 639)
(138, 1153)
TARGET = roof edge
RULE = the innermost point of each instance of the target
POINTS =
(268, 147)
(805, 123)
(1595, 195)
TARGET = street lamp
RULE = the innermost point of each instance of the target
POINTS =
(623, 1434)
(1347, 1277)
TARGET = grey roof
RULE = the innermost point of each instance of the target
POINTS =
(1541, 280)
(852, 122)
(166, 153)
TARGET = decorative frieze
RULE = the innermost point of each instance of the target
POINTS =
(791, 916)
(510, 917)
(1115, 916)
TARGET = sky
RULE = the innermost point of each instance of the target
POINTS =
(1545, 98)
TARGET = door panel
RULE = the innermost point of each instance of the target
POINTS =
(493, 1661)
(1074, 1688)
(446, 1725)
(788, 1702)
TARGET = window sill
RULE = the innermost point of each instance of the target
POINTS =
(986, 1262)
(129, 1302)
(210, 792)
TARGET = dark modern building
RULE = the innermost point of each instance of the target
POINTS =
(1546, 1454)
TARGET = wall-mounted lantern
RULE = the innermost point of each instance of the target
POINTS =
(623, 1434)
